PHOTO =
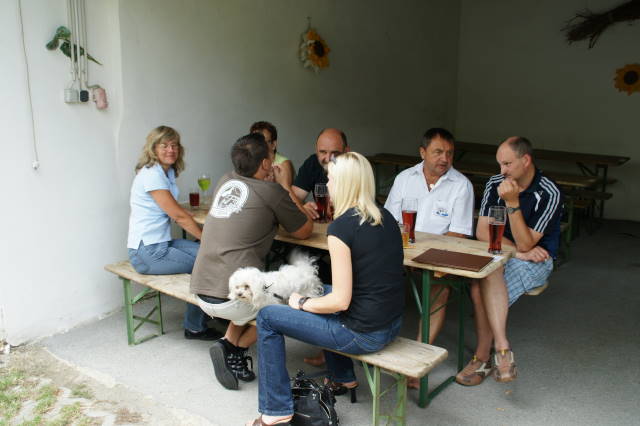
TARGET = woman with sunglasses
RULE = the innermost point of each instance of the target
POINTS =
(362, 313)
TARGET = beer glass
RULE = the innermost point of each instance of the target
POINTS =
(497, 220)
(409, 213)
(405, 230)
(321, 197)
(194, 199)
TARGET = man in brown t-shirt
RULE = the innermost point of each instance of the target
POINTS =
(238, 232)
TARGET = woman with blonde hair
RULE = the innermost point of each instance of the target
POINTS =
(153, 203)
(362, 313)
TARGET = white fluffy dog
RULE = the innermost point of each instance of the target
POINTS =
(260, 289)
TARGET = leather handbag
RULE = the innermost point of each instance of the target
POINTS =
(313, 404)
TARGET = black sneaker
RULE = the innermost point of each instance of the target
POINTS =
(221, 358)
(208, 334)
(238, 364)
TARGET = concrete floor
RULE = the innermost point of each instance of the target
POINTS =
(577, 347)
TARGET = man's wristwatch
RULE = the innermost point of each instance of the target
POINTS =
(301, 302)
(512, 210)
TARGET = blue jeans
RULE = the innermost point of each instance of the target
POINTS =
(325, 330)
(171, 257)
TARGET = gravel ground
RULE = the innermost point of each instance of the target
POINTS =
(36, 388)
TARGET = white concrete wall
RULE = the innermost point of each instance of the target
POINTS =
(208, 68)
(212, 68)
(62, 222)
(517, 75)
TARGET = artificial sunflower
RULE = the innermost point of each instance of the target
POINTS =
(628, 78)
(314, 51)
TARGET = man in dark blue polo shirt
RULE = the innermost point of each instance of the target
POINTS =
(330, 143)
(534, 204)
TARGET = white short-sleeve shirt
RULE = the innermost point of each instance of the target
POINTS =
(147, 221)
(448, 207)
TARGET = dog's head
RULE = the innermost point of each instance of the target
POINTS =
(241, 283)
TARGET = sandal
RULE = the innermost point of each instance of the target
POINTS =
(341, 388)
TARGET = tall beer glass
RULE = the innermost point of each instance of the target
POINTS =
(497, 220)
(409, 213)
(321, 197)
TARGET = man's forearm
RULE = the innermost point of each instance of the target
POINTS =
(299, 193)
(521, 232)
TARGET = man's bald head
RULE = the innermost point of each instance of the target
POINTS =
(330, 143)
(333, 135)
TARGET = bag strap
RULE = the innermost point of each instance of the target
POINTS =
(302, 375)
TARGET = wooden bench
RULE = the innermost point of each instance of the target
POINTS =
(176, 285)
(400, 359)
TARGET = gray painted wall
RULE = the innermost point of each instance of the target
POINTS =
(517, 75)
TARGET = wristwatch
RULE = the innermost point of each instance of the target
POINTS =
(301, 302)
(512, 210)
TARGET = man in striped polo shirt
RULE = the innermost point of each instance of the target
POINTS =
(534, 206)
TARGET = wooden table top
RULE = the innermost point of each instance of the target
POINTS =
(424, 241)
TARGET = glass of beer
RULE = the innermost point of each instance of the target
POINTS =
(497, 219)
(409, 213)
(194, 199)
(321, 197)
(405, 230)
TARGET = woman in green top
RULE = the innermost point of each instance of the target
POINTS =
(270, 134)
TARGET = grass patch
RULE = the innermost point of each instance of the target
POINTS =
(36, 421)
(11, 394)
(47, 396)
(81, 391)
(67, 415)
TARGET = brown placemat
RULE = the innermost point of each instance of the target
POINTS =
(453, 259)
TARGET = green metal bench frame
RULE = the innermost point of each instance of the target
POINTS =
(130, 301)
(399, 412)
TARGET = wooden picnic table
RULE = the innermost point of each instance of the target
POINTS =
(429, 273)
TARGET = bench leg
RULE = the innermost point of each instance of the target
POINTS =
(131, 318)
(398, 414)
(401, 399)
(128, 311)
(375, 393)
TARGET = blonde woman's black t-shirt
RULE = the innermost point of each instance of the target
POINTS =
(378, 275)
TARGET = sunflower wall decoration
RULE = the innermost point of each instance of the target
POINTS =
(314, 51)
(628, 78)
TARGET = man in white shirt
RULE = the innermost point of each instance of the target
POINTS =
(445, 201)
